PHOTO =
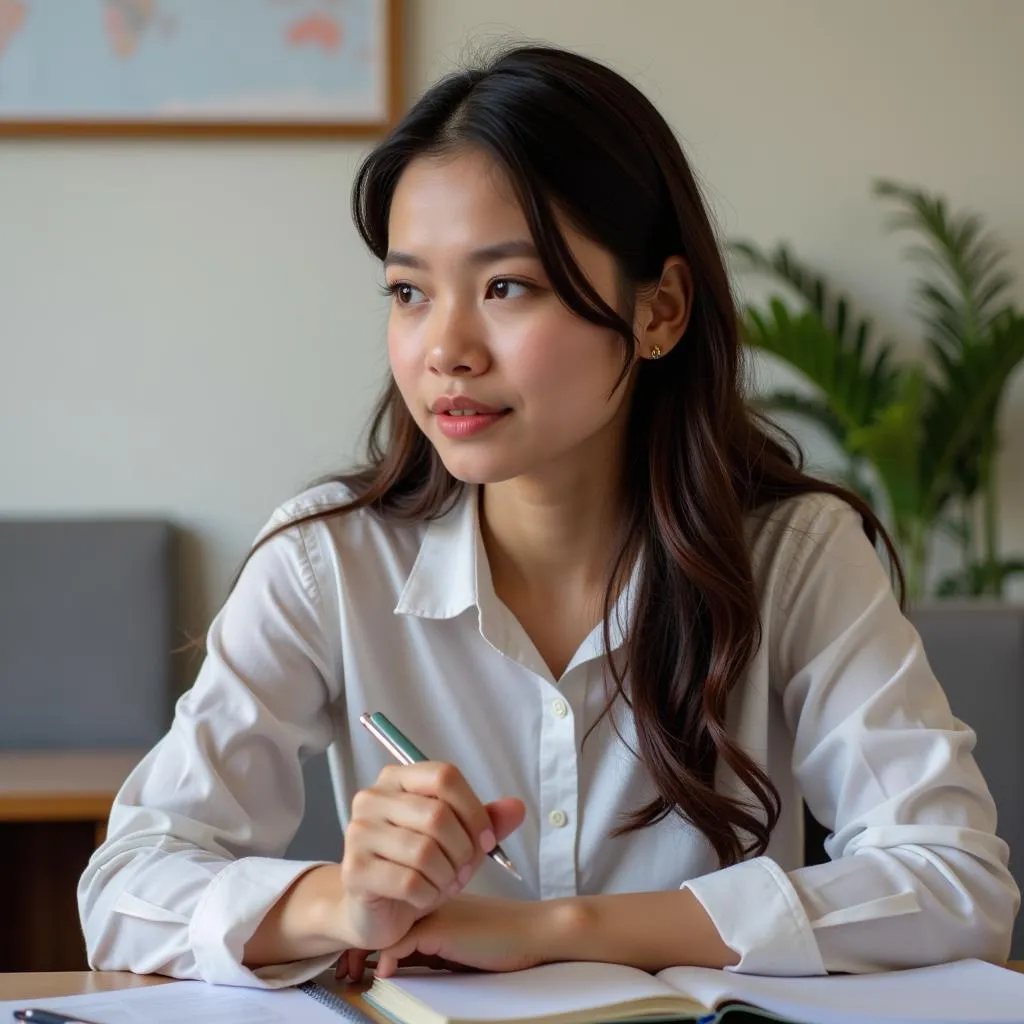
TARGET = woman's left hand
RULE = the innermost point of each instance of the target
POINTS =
(474, 932)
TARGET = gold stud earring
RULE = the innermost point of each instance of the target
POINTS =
(655, 351)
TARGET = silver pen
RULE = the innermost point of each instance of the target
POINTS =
(405, 751)
(40, 1016)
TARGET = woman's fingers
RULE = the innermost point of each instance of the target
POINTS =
(415, 838)
(424, 816)
(357, 963)
(506, 815)
(341, 967)
(443, 782)
(351, 964)
(385, 862)
(424, 853)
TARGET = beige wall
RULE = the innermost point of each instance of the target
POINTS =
(193, 329)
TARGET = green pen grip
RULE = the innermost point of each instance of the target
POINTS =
(397, 737)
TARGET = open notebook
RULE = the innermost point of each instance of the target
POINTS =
(584, 993)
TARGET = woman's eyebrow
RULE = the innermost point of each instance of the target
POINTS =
(478, 257)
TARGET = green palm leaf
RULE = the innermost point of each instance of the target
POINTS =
(834, 312)
(977, 577)
(963, 289)
(855, 386)
(930, 435)
(815, 410)
(892, 443)
(962, 410)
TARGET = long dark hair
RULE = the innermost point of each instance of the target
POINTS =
(574, 136)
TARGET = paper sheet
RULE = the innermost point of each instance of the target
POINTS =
(965, 992)
(193, 1002)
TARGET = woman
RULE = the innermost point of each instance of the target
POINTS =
(580, 574)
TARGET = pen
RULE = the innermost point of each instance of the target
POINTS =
(37, 1016)
(389, 736)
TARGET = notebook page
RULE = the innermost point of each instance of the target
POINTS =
(193, 1002)
(965, 992)
(537, 992)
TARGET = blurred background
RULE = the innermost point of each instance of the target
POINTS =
(190, 332)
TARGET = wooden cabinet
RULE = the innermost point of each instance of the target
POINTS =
(53, 813)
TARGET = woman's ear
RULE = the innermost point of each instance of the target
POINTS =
(663, 312)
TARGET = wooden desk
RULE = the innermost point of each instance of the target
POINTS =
(39, 986)
(54, 807)
(62, 786)
(72, 983)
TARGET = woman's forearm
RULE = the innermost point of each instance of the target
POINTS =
(303, 922)
(649, 930)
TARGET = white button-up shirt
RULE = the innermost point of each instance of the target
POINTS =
(356, 614)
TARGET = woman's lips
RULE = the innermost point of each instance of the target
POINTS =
(462, 403)
(458, 424)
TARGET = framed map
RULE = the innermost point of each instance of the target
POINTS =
(322, 67)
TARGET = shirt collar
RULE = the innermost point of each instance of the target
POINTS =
(451, 574)
(443, 582)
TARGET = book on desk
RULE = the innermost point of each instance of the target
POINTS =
(585, 993)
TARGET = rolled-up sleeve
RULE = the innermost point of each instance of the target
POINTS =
(192, 859)
(916, 874)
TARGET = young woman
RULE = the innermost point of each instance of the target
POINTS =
(579, 574)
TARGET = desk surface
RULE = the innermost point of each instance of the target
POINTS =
(72, 983)
(38, 986)
(62, 785)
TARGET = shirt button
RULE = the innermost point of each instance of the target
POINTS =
(560, 708)
(557, 818)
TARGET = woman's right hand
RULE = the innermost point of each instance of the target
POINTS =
(415, 839)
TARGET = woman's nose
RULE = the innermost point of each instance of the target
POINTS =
(456, 347)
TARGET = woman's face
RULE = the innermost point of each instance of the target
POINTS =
(499, 374)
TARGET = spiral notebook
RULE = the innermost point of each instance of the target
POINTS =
(199, 1003)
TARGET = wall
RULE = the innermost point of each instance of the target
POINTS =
(193, 330)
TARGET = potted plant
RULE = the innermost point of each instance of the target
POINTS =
(919, 438)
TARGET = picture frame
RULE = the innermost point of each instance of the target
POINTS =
(223, 68)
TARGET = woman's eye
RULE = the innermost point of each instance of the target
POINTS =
(504, 288)
(405, 293)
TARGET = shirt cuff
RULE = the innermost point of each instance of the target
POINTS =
(759, 916)
(227, 915)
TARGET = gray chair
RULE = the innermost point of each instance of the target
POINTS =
(86, 663)
(977, 652)
(319, 836)
(86, 633)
